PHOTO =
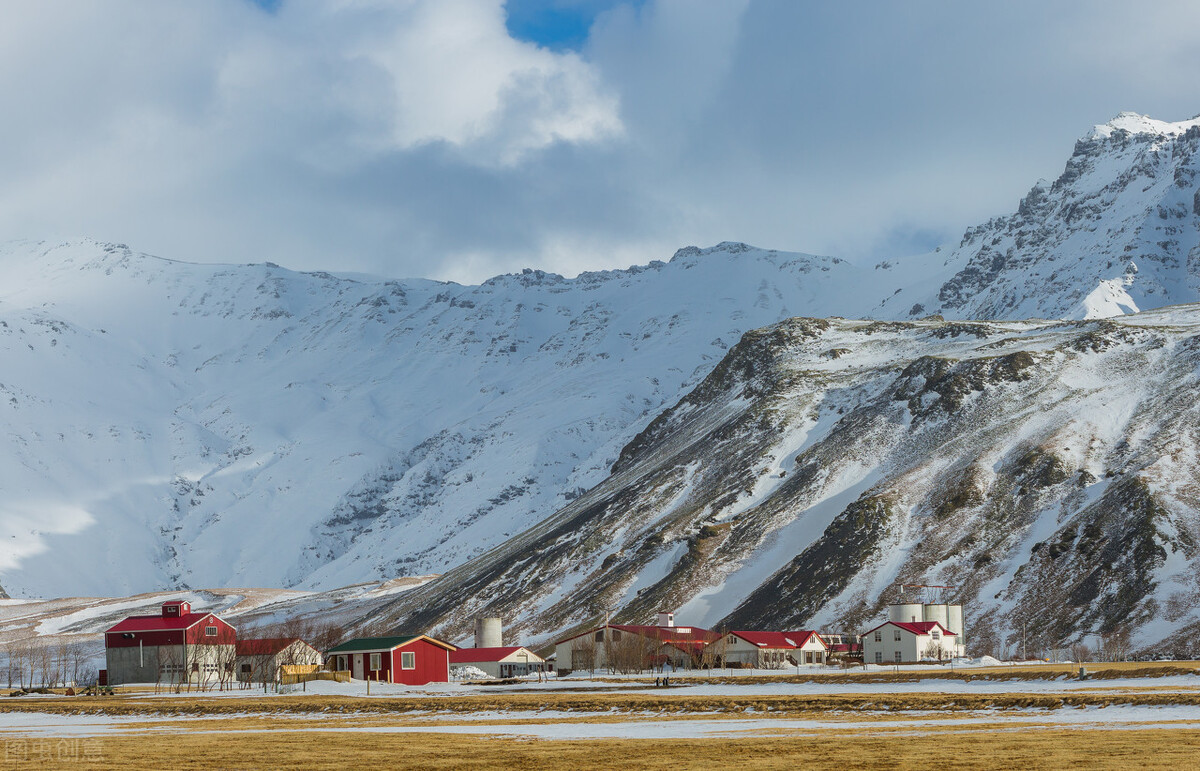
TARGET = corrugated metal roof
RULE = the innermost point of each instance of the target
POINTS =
(363, 644)
(469, 655)
(158, 623)
(267, 646)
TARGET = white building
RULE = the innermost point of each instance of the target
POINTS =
(897, 642)
(499, 662)
(771, 650)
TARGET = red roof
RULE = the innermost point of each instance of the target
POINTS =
(158, 623)
(267, 646)
(666, 634)
(778, 639)
(916, 627)
(469, 655)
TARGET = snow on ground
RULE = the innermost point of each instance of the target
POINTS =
(552, 724)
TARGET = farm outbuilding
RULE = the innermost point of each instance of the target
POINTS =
(633, 647)
(409, 659)
(504, 661)
(174, 646)
(259, 661)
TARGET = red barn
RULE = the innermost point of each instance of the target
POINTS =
(411, 660)
(173, 647)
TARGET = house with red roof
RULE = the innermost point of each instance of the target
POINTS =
(897, 642)
(769, 650)
(175, 646)
(261, 660)
(414, 659)
(633, 647)
(501, 662)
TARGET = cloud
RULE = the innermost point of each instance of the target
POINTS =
(421, 138)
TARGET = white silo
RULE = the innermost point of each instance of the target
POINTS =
(488, 632)
(937, 611)
(954, 617)
(906, 612)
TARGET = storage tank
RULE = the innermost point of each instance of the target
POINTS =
(954, 618)
(906, 612)
(488, 632)
(936, 611)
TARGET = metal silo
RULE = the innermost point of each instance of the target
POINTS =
(488, 632)
(937, 611)
(906, 612)
(955, 624)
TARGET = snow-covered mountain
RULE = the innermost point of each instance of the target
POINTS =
(175, 424)
(172, 424)
(1117, 232)
(1046, 470)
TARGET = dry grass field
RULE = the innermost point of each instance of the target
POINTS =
(316, 750)
(1107, 723)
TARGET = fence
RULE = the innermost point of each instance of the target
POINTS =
(341, 676)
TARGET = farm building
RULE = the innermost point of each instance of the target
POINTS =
(411, 659)
(633, 647)
(505, 661)
(843, 647)
(894, 642)
(259, 661)
(770, 650)
(173, 647)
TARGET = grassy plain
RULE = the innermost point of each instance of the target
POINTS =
(999, 749)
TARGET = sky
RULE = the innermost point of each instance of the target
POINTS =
(459, 139)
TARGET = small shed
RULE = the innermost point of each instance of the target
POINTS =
(259, 660)
(407, 659)
(505, 661)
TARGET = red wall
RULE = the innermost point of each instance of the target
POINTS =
(225, 633)
(433, 664)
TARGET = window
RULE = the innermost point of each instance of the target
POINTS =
(376, 662)
(600, 636)
(878, 657)
(936, 635)
(616, 635)
(408, 660)
(898, 659)
(210, 631)
(879, 637)
(897, 635)
(245, 669)
(341, 663)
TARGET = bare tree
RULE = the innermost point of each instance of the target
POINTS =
(1118, 643)
(1080, 652)
(627, 653)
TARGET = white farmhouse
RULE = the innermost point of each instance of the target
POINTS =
(896, 642)
(771, 650)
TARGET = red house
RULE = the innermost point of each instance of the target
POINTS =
(173, 647)
(411, 660)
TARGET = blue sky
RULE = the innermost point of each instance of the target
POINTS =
(457, 139)
(556, 24)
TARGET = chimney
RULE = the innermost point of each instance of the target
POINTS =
(666, 618)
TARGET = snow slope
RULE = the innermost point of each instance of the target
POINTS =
(172, 424)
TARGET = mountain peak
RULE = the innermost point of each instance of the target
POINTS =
(1135, 123)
